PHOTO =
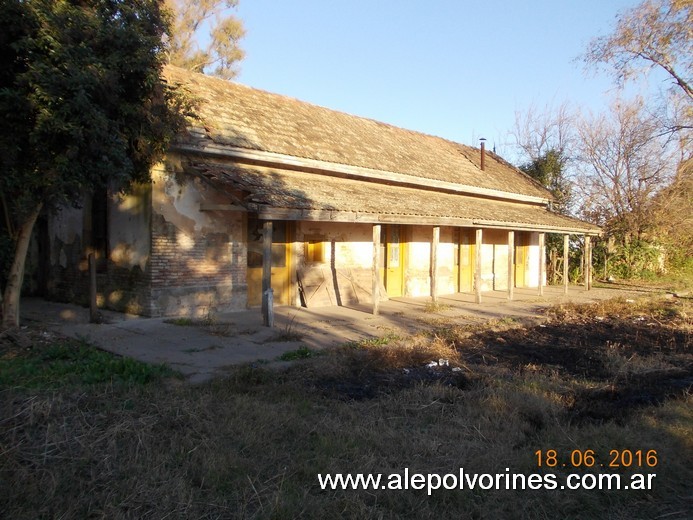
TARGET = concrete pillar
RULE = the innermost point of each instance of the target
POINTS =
(511, 261)
(588, 262)
(376, 268)
(566, 259)
(435, 240)
(477, 265)
(542, 262)
(267, 273)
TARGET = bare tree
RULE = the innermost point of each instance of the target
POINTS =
(654, 34)
(624, 161)
(545, 140)
(537, 131)
(210, 21)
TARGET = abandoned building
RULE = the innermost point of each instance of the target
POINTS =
(338, 209)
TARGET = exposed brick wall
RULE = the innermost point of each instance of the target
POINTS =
(198, 258)
(195, 275)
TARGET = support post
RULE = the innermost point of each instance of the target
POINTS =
(542, 262)
(267, 299)
(588, 262)
(566, 260)
(93, 309)
(511, 261)
(477, 265)
(434, 263)
(376, 268)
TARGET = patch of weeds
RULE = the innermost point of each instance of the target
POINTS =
(376, 341)
(299, 353)
(205, 349)
(182, 322)
(436, 307)
(75, 363)
(208, 322)
(288, 334)
(434, 321)
(285, 336)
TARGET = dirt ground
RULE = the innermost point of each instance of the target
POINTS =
(485, 396)
(611, 357)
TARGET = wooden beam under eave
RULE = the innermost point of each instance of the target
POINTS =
(267, 273)
(435, 240)
(477, 265)
(542, 262)
(205, 206)
(566, 261)
(511, 264)
(309, 215)
(376, 268)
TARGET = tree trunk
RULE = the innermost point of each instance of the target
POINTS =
(13, 290)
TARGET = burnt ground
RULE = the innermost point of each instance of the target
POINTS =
(611, 359)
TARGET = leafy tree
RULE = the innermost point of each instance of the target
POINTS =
(672, 215)
(83, 107)
(211, 21)
(549, 169)
(544, 139)
(632, 152)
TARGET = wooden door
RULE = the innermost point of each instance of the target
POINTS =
(465, 260)
(392, 254)
(521, 253)
(281, 273)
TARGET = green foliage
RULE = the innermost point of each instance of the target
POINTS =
(69, 363)
(375, 341)
(181, 322)
(637, 259)
(81, 98)
(549, 169)
(299, 353)
(83, 107)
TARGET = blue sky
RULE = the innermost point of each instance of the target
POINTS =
(456, 69)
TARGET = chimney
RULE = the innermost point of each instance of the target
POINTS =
(483, 153)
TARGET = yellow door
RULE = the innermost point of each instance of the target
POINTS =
(393, 260)
(280, 262)
(520, 258)
(465, 273)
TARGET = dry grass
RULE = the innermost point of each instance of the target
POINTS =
(251, 446)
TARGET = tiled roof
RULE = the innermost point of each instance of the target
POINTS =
(237, 116)
(375, 202)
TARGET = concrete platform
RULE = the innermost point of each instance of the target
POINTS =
(202, 350)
